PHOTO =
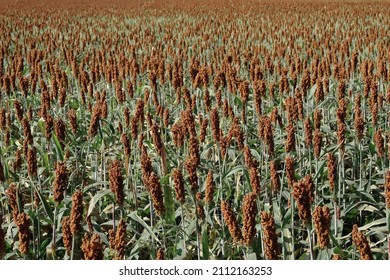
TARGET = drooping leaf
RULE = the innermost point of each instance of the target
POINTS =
(95, 199)
(133, 215)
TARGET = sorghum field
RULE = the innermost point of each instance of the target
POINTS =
(194, 129)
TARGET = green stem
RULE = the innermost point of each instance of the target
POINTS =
(151, 218)
(308, 227)
(73, 247)
(342, 181)
(360, 165)
(183, 226)
(113, 217)
(53, 245)
(197, 228)
(221, 196)
(309, 159)
(32, 210)
(292, 227)
(316, 186)
(335, 216)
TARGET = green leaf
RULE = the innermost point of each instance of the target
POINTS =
(205, 243)
(380, 221)
(73, 103)
(368, 196)
(312, 91)
(234, 170)
(355, 206)
(251, 256)
(388, 219)
(60, 152)
(334, 240)
(169, 205)
(133, 215)
(46, 205)
(45, 158)
(19, 201)
(288, 240)
(94, 185)
(237, 101)
(322, 255)
(95, 199)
